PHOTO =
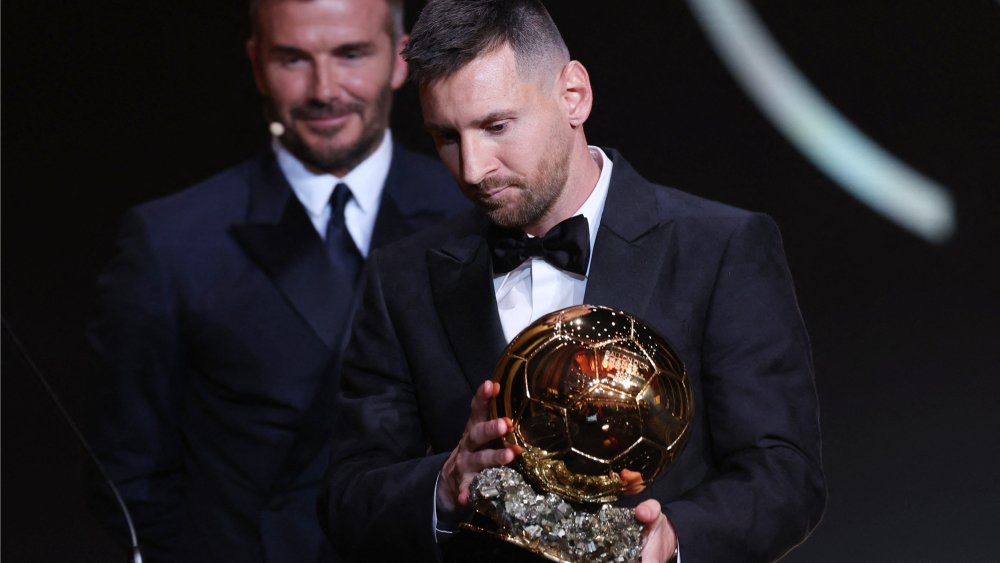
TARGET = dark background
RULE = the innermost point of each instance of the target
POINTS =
(112, 103)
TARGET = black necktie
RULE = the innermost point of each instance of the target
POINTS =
(343, 252)
(566, 246)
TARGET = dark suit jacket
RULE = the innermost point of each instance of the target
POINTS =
(711, 278)
(220, 327)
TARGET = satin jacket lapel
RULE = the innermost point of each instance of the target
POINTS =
(461, 283)
(282, 241)
(630, 245)
(401, 214)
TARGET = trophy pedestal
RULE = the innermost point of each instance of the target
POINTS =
(549, 526)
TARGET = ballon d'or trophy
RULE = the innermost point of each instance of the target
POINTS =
(592, 392)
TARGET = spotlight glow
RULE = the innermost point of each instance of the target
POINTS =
(866, 170)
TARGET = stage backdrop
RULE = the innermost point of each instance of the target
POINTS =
(110, 103)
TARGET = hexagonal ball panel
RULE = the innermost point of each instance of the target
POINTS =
(561, 371)
(543, 427)
(604, 423)
(645, 457)
(663, 410)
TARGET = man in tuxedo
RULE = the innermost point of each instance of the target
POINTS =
(224, 314)
(506, 107)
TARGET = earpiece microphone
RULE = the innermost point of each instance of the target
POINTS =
(277, 129)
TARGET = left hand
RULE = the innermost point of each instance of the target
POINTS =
(659, 538)
(633, 482)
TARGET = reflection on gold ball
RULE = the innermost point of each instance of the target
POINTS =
(593, 391)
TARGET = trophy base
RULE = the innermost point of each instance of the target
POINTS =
(532, 546)
(550, 527)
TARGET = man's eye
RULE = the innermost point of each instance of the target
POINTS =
(353, 54)
(496, 128)
(292, 59)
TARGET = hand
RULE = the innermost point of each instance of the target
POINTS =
(471, 455)
(659, 538)
(633, 482)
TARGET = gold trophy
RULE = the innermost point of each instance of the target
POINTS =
(593, 393)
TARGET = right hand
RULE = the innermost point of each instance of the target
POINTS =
(471, 455)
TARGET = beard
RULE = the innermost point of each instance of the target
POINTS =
(530, 199)
(374, 120)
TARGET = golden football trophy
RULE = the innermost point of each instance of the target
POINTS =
(592, 392)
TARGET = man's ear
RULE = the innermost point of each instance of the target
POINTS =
(577, 94)
(399, 66)
(258, 72)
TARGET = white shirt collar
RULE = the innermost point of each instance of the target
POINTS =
(593, 208)
(313, 190)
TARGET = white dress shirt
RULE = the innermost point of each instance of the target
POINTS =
(536, 288)
(365, 181)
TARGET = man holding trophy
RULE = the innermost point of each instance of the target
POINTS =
(559, 224)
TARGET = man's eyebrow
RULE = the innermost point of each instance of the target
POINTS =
(359, 46)
(486, 119)
(431, 127)
(286, 50)
(362, 46)
(494, 116)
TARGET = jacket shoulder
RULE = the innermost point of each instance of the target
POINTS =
(467, 226)
(679, 205)
(429, 184)
(212, 204)
(709, 227)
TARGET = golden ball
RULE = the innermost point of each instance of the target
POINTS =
(593, 391)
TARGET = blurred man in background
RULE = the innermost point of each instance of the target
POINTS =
(224, 313)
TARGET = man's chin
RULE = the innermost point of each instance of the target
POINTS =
(330, 156)
(331, 145)
(507, 216)
(338, 137)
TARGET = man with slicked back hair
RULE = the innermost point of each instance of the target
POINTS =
(506, 106)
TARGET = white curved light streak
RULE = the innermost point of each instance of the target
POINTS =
(832, 143)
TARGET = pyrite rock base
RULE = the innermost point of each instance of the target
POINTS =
(551, 527)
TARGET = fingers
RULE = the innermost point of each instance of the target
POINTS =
(474, 462)
(659, 537)
(484, 459)
(473, 453)
(633, 482)
(481, 402)
(648, 512)
(631, 477)
(482, 433)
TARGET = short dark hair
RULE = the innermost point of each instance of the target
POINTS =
(394, 26)
(449, 34)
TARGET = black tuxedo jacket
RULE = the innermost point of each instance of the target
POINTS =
(221, 322)
(711, 278)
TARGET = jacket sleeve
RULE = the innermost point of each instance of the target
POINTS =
(767, 491)
(376, 503)
(138, 380)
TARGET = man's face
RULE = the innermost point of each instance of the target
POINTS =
(504, 137)
(327, 69)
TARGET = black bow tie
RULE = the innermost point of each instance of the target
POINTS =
(566, 246)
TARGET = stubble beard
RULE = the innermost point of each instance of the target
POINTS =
(374, 121)
(533, 198)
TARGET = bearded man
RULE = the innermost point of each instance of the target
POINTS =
(224, 314)
(506, 106)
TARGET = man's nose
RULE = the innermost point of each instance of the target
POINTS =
(325, 83)
(477, 160)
